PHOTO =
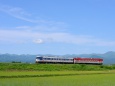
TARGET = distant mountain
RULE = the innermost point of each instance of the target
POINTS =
(109, 57)
(17, 58)
(110, 54)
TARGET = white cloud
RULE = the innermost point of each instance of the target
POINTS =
(42, 28)
(38, 41)
(16, 12)
(15, 36)
(41, 25)
(21, 14)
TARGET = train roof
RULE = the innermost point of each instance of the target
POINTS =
(87, 58)
(60, 57)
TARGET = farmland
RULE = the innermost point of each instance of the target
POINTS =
(79, 78)
(50, 75)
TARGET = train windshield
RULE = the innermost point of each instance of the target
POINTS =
(39, 57)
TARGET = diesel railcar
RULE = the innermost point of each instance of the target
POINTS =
(75, 60)
(44, 59)
(79, 60)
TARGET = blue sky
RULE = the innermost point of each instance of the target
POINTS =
(57, 26)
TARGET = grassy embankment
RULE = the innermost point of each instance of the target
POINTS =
(54, 67)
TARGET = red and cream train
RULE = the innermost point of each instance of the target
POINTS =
(76, 60)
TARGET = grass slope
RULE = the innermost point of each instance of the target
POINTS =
(54, 67)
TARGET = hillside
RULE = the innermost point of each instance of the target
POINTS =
(109, 57)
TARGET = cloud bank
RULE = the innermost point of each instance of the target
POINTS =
(15, 36)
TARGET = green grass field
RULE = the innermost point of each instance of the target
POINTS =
(58, 78)
(56, 75)
(54, 67)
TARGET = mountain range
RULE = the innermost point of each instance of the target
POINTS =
(108, 57)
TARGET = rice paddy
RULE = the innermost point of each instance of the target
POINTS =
(57, 78)
(56, 75)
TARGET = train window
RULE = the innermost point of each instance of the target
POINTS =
(55, 58)
(48, 59)
(71, 59)
(44, 58)
(65, 59)
(40, 58)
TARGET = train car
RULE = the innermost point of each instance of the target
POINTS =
(50, 59)
(76, 60)
(80, 60)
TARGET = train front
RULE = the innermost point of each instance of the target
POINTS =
(39, 59)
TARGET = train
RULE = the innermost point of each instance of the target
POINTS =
(75, 60)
